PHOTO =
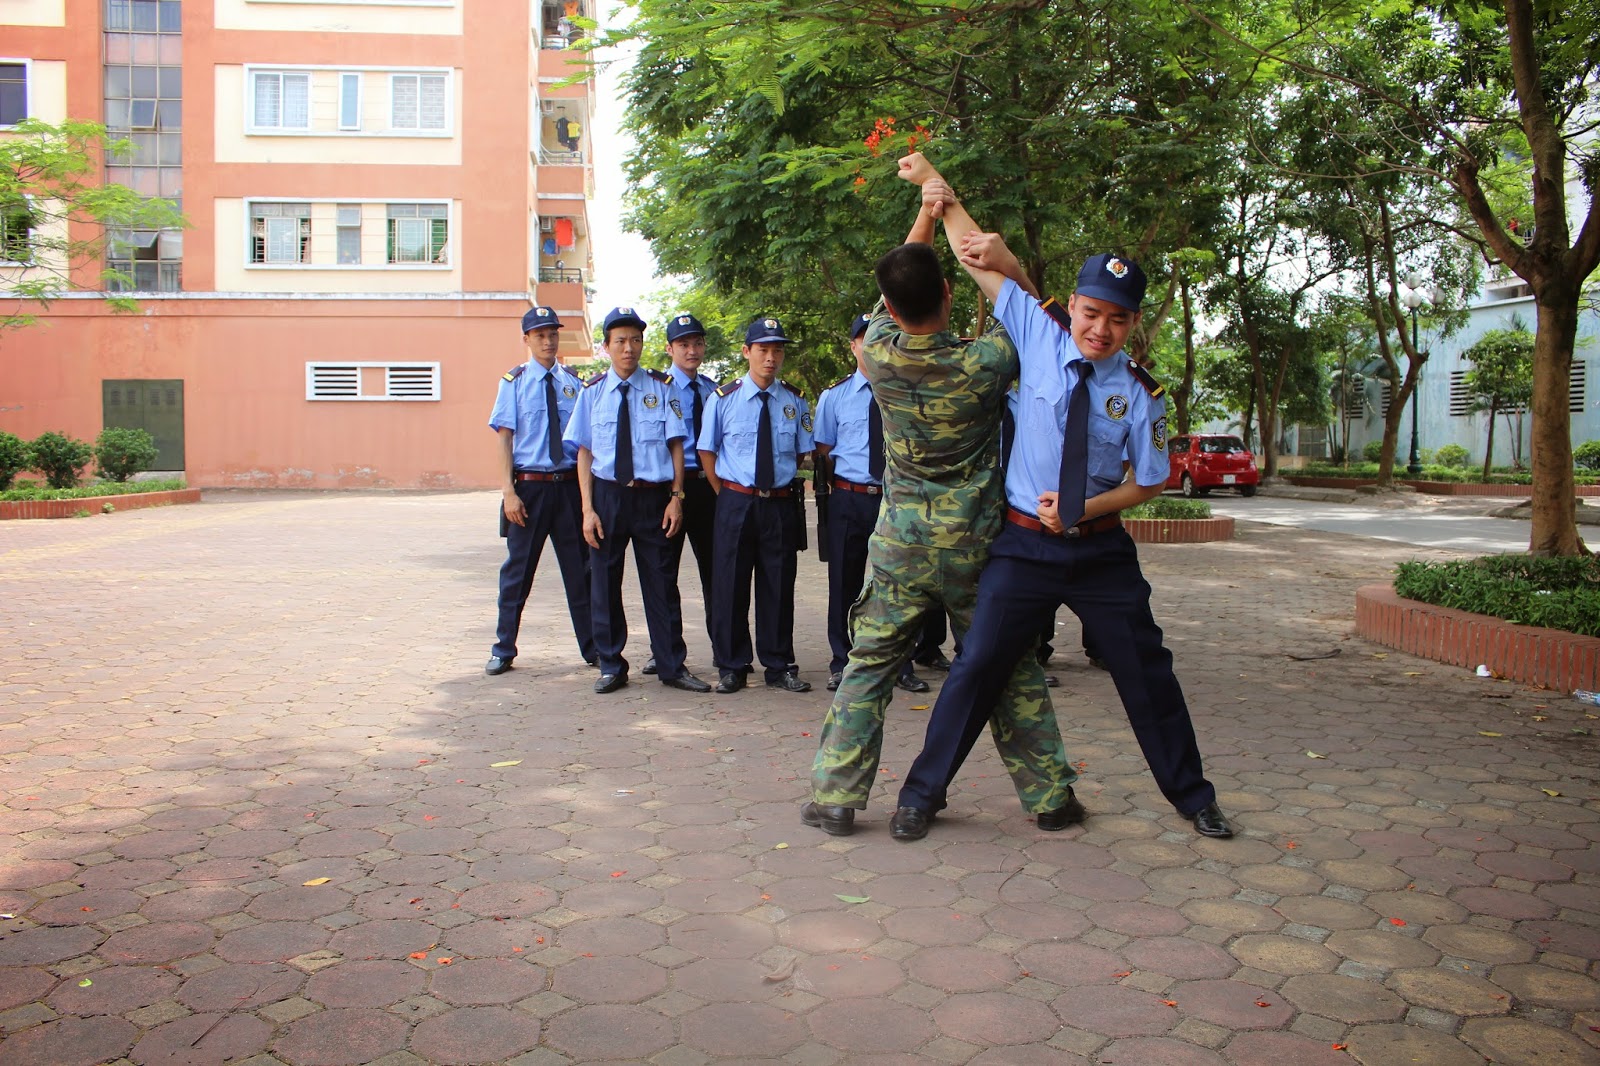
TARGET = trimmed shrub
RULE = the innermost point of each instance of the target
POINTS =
(32, 490)
(1587, 455)
(1452, 455)
(1556, 593)
(1169, 507)
(60, 458)
(1372, 451)
(121, 453)
(13, 458)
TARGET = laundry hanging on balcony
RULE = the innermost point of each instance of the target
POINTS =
(564, 236)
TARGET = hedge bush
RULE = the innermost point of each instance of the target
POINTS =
(60, 458)
(32, 490)
(1586, 456)
(1556, 593)
(1453, 456)
(120, 453)
(1372, 451)
(13, 458)
(1169, 507)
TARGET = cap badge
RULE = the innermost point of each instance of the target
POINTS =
(541, 310)
(1117, 267)
(624, 310)
(770, 323)
(1117, 406)
(651, 401)
(683, 320)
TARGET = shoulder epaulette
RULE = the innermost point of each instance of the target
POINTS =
(1057, 312)
(597, 379)
(730, 388)
(516, 372)
(841, 381)
(660, 375)
(792, 388)
(1151, 385)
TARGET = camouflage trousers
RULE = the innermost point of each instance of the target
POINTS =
(904, 582)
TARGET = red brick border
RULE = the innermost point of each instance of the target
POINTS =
(131, 501)
(1179, 530)
(1433, 488)
(1551, 658)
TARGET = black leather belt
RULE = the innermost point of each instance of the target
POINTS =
(1102, 524)
(541, 475)
(856, 486)
(776, 494)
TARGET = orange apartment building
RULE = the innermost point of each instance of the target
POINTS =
(376, 191)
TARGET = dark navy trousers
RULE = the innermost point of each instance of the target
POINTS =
(851, 519)
(755, 538)
(633, 515)
(555, 513)
(699, 523)
(1097, 577)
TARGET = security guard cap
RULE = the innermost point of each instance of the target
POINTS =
(622, 316)
(859, 325)
(684, 326)
(540, 318)
(1113, 279)
(765, 331)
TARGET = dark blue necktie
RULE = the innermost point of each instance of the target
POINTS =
(764, 472)
(624, 465)
(875, 456)
(699, 408)
(552, 417)
(1075, 448)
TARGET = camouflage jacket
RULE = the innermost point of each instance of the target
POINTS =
(942, 399)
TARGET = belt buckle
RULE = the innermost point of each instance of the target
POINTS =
(874, 490)
(1072, 532)
(765, 494)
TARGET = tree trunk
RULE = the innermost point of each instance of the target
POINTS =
(1488, 454)
(1555, 519)
(1185, 389)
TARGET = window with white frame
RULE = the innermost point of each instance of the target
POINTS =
(16, 232)
(418, 234)
(13, 92)
(372, 381)
(280, 233)
(282, 100)
(347, 230)
(349, 101)
(417, 102)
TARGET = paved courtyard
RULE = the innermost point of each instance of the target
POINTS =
(261, 805)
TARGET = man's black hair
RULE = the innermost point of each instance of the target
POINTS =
(912, 280)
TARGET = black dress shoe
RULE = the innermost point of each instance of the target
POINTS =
(909, 823)
(911, 683)
(835, 679)
(1052, 681)
(591, 661)
(730, 681)
(496, 665)
(610, 682)
(1069, 813)
(790, 683)
(835, 821)
(650, 667)
(937, 661)
(687, 682)
(1098, 664)
(1209, 821)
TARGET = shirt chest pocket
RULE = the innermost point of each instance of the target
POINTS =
(652, 428)
(1108, 443)
(853, 433)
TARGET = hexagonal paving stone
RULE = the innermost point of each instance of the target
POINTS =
(1179, 957)
(70, 1042)
(817, 933)
(1138, 919)
(507, 899)
(1158, 1051)
(272, 941)
(1380, 1045)
(24, 985)
(1233, 915)
(203, 1038)
(605, 1031)
(158, 942)
(1384, 949)
(364, 983)
(1286, 955)
(195, 904)
(1071, 964)
(340, 1038)
(485, 982)
(1275, 1049)
(1518, 1042)
(1116, 1011)
(114, 990)
(713, 897)
(608, 980)
(383, 939)
(868, 1026)
(745, 1030)
(472, 1035)
(1452, 992)
(1345, 999)
(617, 936)
(47, 944)
(1549, 987)
(959, 968)
(599, 899)
(1479, 944)
(84, 908)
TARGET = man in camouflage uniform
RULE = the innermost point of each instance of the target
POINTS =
(941, 400)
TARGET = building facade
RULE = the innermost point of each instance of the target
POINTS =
(376, 190)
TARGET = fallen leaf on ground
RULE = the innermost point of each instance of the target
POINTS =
(1262, 1003)
(316, 881)
(1380, 655)
(919, 707)
(1397, 921)
(1124, 973)
(1170, 1002)
(85, 983)
(779, 847)
(508, 762)
(852, 899)
(1487, 733)
(1314, 755)
(444, 961)
(618, 873)
(1549, 792)
(419, 954)
(1541, 718)
(1413, 673)
(781, 973)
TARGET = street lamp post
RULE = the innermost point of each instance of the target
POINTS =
(1414, 298)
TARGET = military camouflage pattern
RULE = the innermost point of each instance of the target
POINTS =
(903, 582)
(941, 400)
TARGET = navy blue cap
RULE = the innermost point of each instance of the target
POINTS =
(1113, 279)
(859, 325)
(765, 331)
(539, 318)
(684, 326)
(622, 316)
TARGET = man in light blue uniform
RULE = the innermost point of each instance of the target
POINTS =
(686, 345)
(1083, 406)
(629, 440)
(539, 498)
(757, 429)
(850, 456)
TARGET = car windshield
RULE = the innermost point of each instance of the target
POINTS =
(1219, 445)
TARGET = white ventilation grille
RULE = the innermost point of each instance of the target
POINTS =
(385, 381)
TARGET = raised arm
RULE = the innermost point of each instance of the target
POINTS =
(940, 199)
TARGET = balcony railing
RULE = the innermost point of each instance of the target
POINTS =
(556, 157)
(559, 275)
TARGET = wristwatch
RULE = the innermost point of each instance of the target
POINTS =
(679, 494)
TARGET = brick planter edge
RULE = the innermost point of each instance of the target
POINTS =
(1178, 530)
(1433, 488)
(131, 501)
(1550, 658)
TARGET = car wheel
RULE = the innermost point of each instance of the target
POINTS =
(1247, 490)
(1190, 489)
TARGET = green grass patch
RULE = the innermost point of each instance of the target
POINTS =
(32, 490)
(1169, 507)
(1431, 472)
(1556, 593)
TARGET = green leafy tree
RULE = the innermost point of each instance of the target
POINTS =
(13, 458)
(59, 458)
(120, 453)
(1501, 382)
(58, 217)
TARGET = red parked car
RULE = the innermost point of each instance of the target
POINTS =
(1205, 461)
